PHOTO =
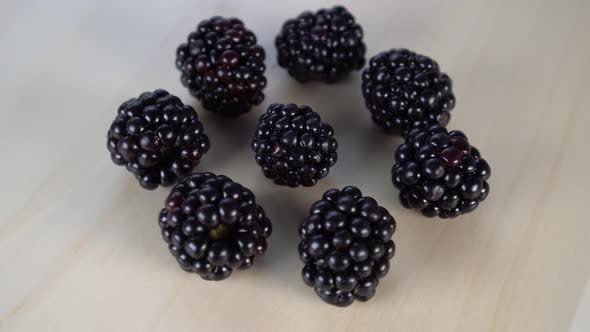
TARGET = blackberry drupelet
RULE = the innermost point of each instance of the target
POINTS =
(346, 246)
(440, 173)
(322, 46)
(405, 90)
(213, 225)
(293, 146)
(158, 138)
(223, 66)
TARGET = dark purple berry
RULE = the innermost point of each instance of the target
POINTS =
(143, 137)
(451, 155)
(208, 227)
(294, 147)
(405, 90)
(461, 143)
(322, 46)
(450, 182)
(222, 65)
(346, 251)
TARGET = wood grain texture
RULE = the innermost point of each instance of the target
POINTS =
(80, 248)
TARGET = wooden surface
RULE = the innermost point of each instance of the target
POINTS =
(80, 248)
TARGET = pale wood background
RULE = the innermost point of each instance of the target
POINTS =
(80, 248)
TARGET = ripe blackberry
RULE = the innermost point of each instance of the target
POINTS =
(346, 246)
(440, 173)
(158, 138)
(321, 46)
(293, 146)
(213, 225)
(222, 66)
(404, 90)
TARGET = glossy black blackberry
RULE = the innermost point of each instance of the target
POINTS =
(158, 138)
(213, 225)
(293, 146)
(440, 173)
(346, 246)
(223, 66)
(321, 46)
(405, 90)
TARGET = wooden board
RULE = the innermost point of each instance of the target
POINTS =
(80, 248)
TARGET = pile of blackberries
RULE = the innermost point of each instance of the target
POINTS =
(213, 225)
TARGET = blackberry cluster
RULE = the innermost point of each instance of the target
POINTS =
(222, 66)
(405, 90)
(158, 138)
(321, 46)
(213, 225)
(440, 173)
(293, 146)
(346, 246)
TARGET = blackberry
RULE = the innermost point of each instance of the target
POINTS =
(404, 90)
(346, 246)
(440, 173)
(223, 66)
(213, 225)
(293, 146)
(158, 138)
(321, 46)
